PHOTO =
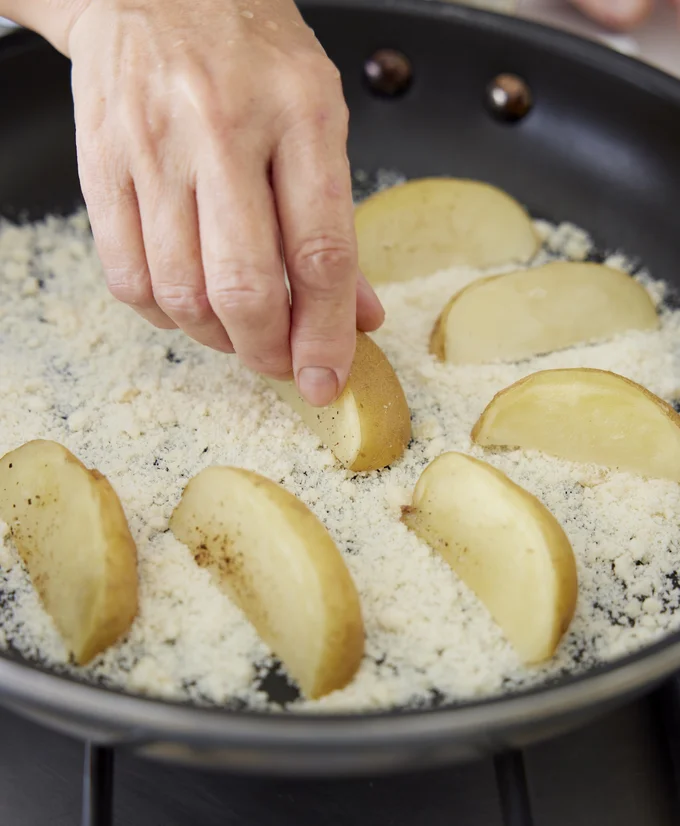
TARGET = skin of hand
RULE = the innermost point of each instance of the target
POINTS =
(212, 152)
(211, 140)
(619, 15)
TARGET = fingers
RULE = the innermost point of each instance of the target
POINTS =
(199, 244)
(117, 231)
(242, 259)
(621, 15)
(316, 215)
(114, 217)
(173, 251)
(370, 312)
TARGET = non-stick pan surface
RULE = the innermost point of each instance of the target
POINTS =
(600, 147)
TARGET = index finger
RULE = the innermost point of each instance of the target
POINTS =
(312, 186)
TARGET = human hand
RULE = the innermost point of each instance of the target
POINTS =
(620, 15)
(211, 136)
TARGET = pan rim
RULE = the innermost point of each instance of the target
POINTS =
(24, 685)
(630, 70)
(139, 718)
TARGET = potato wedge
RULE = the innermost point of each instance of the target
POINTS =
(529, 312)
(417, 228)
(504, 544)
(369, 426)
(586, 415)
(277, 562)
(71, 532)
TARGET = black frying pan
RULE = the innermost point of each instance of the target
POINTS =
(600, 147)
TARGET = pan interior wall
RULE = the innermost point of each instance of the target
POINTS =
(596, 149)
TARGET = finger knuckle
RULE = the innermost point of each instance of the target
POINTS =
(314, 91)
(226, 121)
(323, 263)
(104, 193)
(133, 117)
(185, 303)
(130, 289)
(312, 341)
(224, 128)
(205, 98)
(91, 150)
(104, 177)
(318, 109)
(275, 363)
(241, 288)
(144, 128)
(342, 113)
(90, 108)
(319, 66)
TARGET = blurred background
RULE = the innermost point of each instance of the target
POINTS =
(656, 41)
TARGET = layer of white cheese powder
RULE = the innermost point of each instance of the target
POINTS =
(150, 409)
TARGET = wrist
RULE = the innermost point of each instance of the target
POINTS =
(53, 19)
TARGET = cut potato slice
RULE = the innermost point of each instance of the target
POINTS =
(369, 426)
(422, 226)
(586, 415)
(526, 313)
(71, 532)
(504, 544)
(277, 562)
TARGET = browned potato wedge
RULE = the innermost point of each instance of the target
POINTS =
(71, 532)
(369, 426)
(586, 415)
(272, 556)
(422, 226)
(504, 544)
(529, 312)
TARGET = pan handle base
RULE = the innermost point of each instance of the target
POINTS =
(513, 789)
(97, 809)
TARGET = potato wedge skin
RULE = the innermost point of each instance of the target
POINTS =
(369, 427)
(499, 539)
(337, 426)
(438, 335)
(425, 225)
(121, 599)
(660, 460)
(526, 313)
(70, 529)
(384, 415)
(224, 516)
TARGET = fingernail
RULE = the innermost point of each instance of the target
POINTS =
(318, 385)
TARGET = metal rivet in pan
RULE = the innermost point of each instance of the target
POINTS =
(388, 72)
(509, 97)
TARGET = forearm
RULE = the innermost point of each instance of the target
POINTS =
(50, 18)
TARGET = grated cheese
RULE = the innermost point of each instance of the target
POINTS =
(150, 409)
